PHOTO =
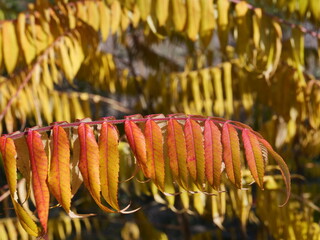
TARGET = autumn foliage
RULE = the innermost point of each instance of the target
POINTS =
(195, 147)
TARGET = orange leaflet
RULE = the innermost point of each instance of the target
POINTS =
(109, 163)
(254, 156)
(137, 144)
(154, 146)
(231, 153)
(195, 151)
(283, 168)
(59, 175)
(89, 163)
(39, 168)
(177, 152)
(213, 153)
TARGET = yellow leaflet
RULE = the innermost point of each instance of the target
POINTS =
(228, 88)
(10, 46)
(77, 55)
(66, 61)
(65, 105)
(81, 11)
(208, 21)
(105, 20)
(161, 9)
(256, 24)
(179, 14)
(125, 21)
(76, 106)
(223, 22)
(207, 91)
(93, 14)
(145, 8)
(218, 90)
(58, 115)
(314, 7)
(199, 202)
(184, 91)
(195, 85)
(27, 48)
(135, 18)
(242, 28)
(46, 76)
(44, 103)
(115, 16)
(193, 19)
(71, 16)
(53, 69)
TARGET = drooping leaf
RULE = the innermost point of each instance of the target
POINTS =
(177, 152)
(195, 152)
(8, 153)
(213, 153)
(283, 167)
(89, 163)
(154, 147)
(109, 163)
(231, 153)
(59, 174)
(254, 156)
(39, 169)
(137, 144)
(10, 45)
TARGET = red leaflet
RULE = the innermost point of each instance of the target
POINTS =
(283, 167)
(254, 156)
(213, 153)
(109, 163)
(89, 163)
(154, 146)
(39, 168)
(177, 152)
(137, 144)
(231, 153)
(195, 151)
(59, 175)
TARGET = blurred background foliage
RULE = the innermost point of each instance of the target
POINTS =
(253, 61)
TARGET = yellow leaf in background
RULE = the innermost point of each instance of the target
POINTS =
(115, 16)
(93, 14)
(161, 9)
(178, 14)
(67, 110)
(71, 16)
(195, 85)
(66, 61)
(10, 46)
(207, 91)
(223, 22)
(193, 19)
(81, 11)
(27, 48)
(105, 20)
(218, 90)
(228, 88)
(125, 20)
(145, 8)
(207, 22)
